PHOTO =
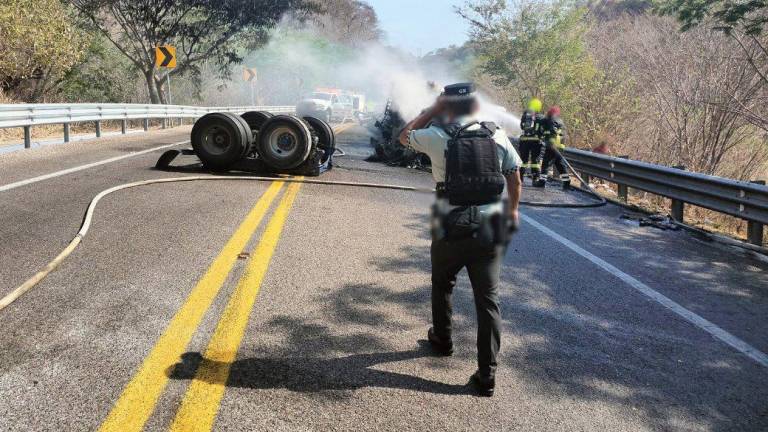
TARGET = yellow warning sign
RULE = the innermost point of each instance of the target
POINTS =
(250, 74)
(165, 56)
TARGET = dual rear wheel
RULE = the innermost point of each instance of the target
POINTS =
(282, 142)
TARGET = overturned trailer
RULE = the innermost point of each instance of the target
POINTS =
(260, 141)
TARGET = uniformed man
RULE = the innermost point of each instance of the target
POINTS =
(551, 131)
(467, 235)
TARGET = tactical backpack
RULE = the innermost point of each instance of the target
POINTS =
(472, 172)
(528, 122)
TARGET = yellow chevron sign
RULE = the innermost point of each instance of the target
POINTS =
(165, 56)
(250, 74)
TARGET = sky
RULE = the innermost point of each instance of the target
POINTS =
(420, 26)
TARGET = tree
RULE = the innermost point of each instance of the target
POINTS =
(349, 22)
(744, 22)
(38, 43)
(204, 31)
(540, 49)
(748, 16)
(687, 85)
(102, 75)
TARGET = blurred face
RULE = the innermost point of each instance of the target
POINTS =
(463, 108)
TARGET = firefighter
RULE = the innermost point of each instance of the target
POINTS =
(531, 145)
(551, 133)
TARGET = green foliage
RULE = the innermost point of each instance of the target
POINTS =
(748, 16)
(104, 75)
(38, 42)
(460, 60)
(537, 48)
(208, 32)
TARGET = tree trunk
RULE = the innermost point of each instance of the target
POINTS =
(161, 93)
(152, 87)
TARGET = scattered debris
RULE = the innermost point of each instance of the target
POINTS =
(386, 133)
(244, 255)
(659, 221)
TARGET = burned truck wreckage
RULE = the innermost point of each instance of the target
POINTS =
(384, 140)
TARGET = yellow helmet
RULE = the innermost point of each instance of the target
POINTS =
(535, 105)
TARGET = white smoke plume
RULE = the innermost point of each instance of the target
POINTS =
(375, 70)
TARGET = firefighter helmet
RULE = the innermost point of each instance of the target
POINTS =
(535, 105)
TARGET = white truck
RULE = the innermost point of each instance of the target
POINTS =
(332, 105)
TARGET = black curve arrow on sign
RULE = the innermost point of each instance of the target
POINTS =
(167, 56)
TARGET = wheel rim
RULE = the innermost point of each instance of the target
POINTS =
(283, 142)
(216, 140)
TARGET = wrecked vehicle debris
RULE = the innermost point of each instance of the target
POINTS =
(659, 221)
(384, 140)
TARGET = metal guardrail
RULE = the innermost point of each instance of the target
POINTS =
(28, 115)
(744, 200)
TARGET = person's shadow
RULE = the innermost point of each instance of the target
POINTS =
(310, 374)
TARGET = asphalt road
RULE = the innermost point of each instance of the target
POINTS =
(258, 306)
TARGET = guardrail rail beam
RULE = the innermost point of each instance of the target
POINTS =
(743, 200)
(28, 115)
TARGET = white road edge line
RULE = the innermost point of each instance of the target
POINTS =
(700, 322)
(84, 167)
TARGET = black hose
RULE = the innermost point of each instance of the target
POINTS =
(586, 188)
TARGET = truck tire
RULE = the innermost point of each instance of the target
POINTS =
(219, 140)
(326, 139)
(246, 129)
(256, 119)
(284, 142)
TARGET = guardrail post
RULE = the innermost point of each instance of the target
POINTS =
(146, 125)
(66, 132)
(586, 177)
(124, 126)
(27, 137)
(165, 123)
(98, 128)
(623, 190)
(678, 207)
(755, 230)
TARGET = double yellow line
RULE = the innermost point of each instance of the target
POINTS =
(201, 402)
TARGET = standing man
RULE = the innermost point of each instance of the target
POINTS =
(473, 164)
(531, 145)
(551, 131)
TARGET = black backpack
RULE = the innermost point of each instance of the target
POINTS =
(472, 172)
(528, 123)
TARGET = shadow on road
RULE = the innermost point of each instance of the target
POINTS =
(574, 333)
(314, 374)
(578, 337)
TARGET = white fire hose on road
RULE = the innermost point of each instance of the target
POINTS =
(86, 225)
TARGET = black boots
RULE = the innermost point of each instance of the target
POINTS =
(441, 347)
(484, 386)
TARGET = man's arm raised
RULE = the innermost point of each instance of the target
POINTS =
(420, 122)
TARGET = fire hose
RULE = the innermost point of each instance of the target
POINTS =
(585, 188)
(88, 217)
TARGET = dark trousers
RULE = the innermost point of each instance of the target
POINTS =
(483, 263)
(553, 155)
(532, 154)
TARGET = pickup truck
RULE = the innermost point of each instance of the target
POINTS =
(330, 106)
